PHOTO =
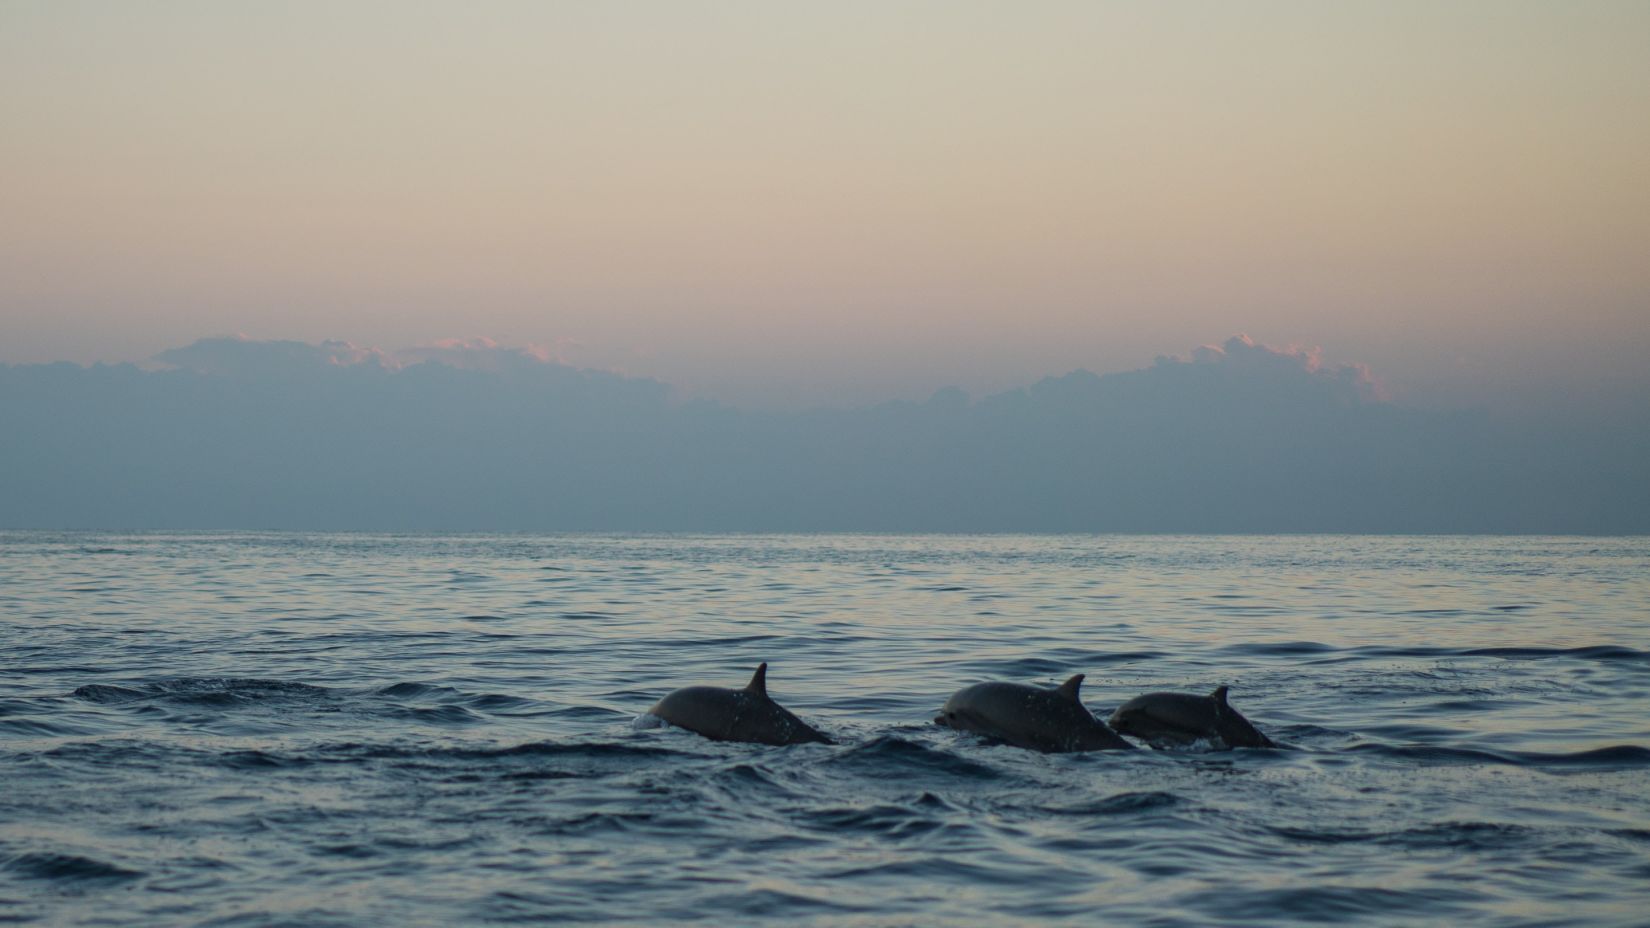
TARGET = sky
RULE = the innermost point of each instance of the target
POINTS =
(788, 205)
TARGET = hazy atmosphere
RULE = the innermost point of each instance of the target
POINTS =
(825, 465)
(789, 205)
(665, 240)
(471, 436)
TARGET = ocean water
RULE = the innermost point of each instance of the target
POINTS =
(274, 729)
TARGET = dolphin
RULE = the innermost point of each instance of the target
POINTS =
(736, 715)
(1042, 719)
(1182, 718)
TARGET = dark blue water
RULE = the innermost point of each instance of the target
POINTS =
(369, 730)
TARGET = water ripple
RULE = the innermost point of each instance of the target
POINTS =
(261, 729)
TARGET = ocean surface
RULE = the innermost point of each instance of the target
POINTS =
(282, 729)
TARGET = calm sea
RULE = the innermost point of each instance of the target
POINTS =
(248, 729)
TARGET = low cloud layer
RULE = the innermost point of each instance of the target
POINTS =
(239, 356)
(473, 435)
(1241, 353)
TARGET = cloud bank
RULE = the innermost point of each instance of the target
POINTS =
(239, 356)
(475, 436)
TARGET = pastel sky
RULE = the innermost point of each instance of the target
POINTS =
(787, 203)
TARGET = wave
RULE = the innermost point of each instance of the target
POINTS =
(1334, 904)
(600, 750)
(205, 691)
(1602, 652)
(1598, 652)
(891, 820)
(127, 754)
(40, 728)
(452, 706)
(891, 755)
(65, 867)
(1614, 756)
(1460, 836)
(416, 691)
(1279, 648)
(1119, 804)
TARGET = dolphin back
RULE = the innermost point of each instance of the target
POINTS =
(1183, 718)
(1049, 720)
(747, 714)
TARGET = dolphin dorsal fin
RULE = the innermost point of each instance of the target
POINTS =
(759, 680)
(1068, 689)
(1219, 695)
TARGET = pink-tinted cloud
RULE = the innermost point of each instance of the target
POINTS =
(482, 354)
(1241, 353)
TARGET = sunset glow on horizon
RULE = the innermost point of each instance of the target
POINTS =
(1183, 463)
(784, 205)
